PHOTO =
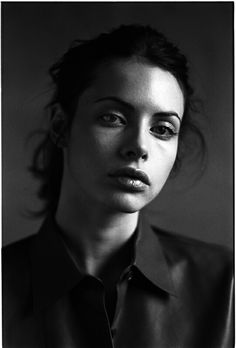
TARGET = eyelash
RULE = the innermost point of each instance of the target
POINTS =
(109, 123)
(169, 128)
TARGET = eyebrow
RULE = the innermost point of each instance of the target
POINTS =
(131, 107)
(168, 114)
(117, 100)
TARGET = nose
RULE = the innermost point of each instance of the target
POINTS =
(135, 147)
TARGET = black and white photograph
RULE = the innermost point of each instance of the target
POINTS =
(117, 174)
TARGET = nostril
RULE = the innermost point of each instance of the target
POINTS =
(144, 156)
(131, 154)
(139, 153)
(134, 153)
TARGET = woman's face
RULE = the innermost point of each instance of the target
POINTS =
(124, 136)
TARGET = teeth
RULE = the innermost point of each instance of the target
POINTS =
(136, 182)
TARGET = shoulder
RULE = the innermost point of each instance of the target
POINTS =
(196, 259)
(193, 249)
(16, 255)
(16, 272)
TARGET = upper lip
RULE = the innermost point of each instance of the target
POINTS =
(131, 172)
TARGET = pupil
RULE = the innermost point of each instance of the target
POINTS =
(109, 118)
(162, 129)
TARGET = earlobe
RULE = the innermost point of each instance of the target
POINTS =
(58, 127)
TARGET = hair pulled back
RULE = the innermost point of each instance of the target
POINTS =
(75, 72)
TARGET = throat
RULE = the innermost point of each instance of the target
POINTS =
(95, 242)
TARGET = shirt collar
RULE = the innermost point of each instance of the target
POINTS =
(150, 258)
(54, 273)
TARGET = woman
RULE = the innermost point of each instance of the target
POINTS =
(97, 274)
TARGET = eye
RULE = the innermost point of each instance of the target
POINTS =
(164, 130)
(112, 120)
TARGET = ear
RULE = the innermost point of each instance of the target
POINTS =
(58, 127)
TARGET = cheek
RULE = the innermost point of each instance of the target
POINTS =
(104, 142)
(163, 161)
(94, 147)
(172, 158)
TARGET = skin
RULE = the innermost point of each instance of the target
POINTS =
(129, 116)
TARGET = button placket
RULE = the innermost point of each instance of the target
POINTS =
(121, 291)
(113, 332)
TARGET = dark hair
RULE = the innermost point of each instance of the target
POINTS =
(76, 70)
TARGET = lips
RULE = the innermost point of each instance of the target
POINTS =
(131, 178)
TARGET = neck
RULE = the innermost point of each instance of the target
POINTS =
(94, 233)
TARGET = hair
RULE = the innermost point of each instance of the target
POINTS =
(75, 72)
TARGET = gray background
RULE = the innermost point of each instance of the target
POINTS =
(36, 34)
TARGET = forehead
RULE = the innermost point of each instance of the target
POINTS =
(138, 83)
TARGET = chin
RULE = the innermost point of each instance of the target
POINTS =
(128, 203)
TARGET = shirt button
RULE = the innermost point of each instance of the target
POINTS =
(130, 275)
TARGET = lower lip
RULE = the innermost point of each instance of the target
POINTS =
(130, 184)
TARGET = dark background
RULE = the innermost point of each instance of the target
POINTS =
(34, 35)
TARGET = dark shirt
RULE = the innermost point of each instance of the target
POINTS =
(176, 293)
